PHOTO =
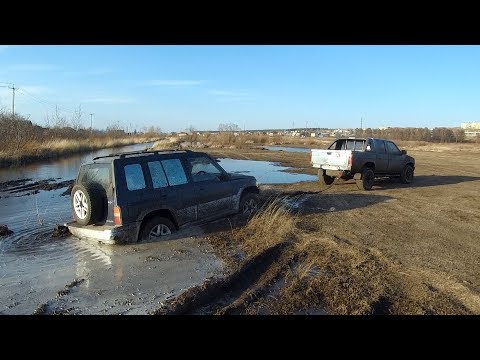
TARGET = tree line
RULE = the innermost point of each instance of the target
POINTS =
(18, 131)
(438, 134)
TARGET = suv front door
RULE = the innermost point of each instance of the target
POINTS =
(213, 192)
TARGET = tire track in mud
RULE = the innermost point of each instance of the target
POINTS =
(222, 296)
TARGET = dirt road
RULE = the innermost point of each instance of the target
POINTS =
(416, 243)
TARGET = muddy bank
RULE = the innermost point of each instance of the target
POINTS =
(24, 187)
(45, 155)
(4, 230)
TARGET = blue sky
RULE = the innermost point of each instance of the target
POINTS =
(258, 87)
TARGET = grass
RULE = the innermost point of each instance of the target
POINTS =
(322, 271)
(37, 151)
(270, 226)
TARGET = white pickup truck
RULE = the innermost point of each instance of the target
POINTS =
(362, 160)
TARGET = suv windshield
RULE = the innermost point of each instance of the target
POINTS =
(203, 168)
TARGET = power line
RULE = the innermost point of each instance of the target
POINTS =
(47, 103)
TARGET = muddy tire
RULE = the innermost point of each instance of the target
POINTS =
(249, 204)
(87, 204)
(155, 228)
(324, 178)
(367, 179)
(406, 177)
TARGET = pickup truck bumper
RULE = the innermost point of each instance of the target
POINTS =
(119, 234)
(337, 173)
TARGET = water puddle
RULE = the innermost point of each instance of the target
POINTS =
(264, 171)
(288, 149)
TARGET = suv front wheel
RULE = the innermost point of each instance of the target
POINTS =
(155, 228)
(248, 204)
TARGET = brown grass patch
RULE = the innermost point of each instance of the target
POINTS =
(321, 271)
(272, 225)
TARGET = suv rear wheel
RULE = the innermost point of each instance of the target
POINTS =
(156, 227)
(87, 204)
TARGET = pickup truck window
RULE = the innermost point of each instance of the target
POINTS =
(379, 146)
(392, 148)
(348, 145)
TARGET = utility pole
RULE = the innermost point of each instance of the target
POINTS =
(91, 123)
(361, 123)
(13, 97)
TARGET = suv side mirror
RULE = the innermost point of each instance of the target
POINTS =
(224, 177)
(404, 152)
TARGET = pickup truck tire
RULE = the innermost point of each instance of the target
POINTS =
(367, 179)
(324, 178)
(87, 203)
(155, 228)
(406, 177)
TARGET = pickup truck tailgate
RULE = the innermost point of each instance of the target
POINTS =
(331, 159)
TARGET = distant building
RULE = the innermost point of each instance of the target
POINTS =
(313, 135)
(470, 125)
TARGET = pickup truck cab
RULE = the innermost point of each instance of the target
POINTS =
(362, 160)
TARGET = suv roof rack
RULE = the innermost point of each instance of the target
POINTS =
(124, 154)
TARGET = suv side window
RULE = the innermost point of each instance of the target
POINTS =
(158, 175)
(134, 177)
(202, 169)
(174, 171)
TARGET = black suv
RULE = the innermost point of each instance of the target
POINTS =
(129, 197)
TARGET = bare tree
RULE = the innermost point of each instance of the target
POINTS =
(76, 120)
(229, 127)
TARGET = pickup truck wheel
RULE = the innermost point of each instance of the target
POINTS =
(367, 179)
(406, 177)
(324, 178)
(155, 228)
(87, 203)
(248, 204)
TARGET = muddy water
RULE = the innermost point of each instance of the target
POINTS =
(67, 275)
(35, 268)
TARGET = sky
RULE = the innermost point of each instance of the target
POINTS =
(255, 87)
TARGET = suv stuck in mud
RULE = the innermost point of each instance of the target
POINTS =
(130, 197)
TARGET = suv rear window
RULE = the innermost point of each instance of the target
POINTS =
(134, 177)
(98, 173)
